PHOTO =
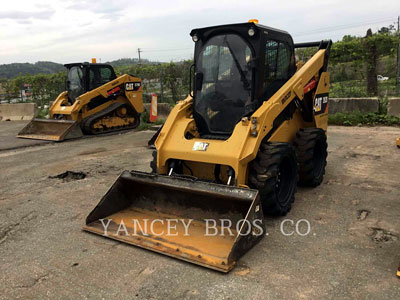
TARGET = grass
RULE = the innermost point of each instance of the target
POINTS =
(143, 126)
(42, 113)
(359, 119)
(145, 123)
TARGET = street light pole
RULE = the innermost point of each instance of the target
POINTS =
(138, 50)
(398, 56)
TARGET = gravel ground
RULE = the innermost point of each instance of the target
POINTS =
(351, 252)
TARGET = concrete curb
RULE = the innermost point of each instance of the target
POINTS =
(346, 105)
(394, 107)
(336, 105)
(17, 111)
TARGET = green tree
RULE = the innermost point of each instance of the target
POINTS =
(367, 50)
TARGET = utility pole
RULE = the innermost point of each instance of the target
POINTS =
(138, 51)
(161, 84)
(398, 56)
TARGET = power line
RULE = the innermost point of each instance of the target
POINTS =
(166, 50)
(341, 27)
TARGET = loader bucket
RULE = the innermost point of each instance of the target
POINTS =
(51, 130)
(208, 224)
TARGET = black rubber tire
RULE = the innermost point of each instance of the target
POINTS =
(274, 173)
(153, 163)
(311, 150)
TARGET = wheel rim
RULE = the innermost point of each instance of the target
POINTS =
(318, 159)
(285, 181)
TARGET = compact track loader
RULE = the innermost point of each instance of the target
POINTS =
(96, 101)
(252, 129)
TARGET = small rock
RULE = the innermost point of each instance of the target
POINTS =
(363, 214)
(242, 270)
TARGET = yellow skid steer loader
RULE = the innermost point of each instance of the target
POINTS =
(96, 101)
(252, 129)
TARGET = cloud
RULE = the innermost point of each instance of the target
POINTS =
(24, 21)
(111, 29)
(21, 15)
(100, 6)
(105, 9)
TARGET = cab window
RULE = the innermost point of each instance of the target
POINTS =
(276, 66)
(99, 76)
(106, 75)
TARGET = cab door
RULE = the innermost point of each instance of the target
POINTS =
(75, 83)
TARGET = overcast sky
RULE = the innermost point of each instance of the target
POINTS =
(77, 30)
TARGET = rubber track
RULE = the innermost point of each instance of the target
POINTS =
(87, 123)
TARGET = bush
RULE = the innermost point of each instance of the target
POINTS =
(145, 117)
(359, 119)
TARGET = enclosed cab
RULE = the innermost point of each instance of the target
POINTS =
(84, 77)
(237, 68)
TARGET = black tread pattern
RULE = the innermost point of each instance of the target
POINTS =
(153, 163)
(263, 173)
(88, 122)
(305, 142)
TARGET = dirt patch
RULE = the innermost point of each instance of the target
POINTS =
(69, 176)
(357, 154)
(31, 282)
(380, 235)
(11, 229)
(94, 151)
(242, 270)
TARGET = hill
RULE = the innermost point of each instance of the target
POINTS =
(10, 71)
(44, 67)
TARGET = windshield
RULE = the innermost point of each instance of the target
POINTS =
(75, 83)
(225, 94)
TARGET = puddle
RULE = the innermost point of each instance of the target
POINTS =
(70, 176)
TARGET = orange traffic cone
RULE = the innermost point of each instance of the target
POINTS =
(398, 271)
(153, 108)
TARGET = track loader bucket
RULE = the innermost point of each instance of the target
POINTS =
(204, 223)
(51, 130)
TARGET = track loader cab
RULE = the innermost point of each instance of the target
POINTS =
(237, 67)
(84, 77)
